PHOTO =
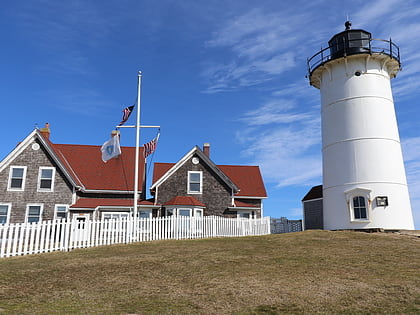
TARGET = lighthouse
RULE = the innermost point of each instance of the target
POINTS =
(364, 181)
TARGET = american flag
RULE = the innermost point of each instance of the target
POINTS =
(150, 147)
(126, 114)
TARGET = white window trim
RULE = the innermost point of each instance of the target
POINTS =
(9, 188)
(61, 205)
(190, 210)
(114, 213)
(52, 179)
(9, 207)
(41, 205)
(85, 216)
(201, 182)
(362, 192)
(146, 210)
(193, 211)
(250, 212)
(196, 210)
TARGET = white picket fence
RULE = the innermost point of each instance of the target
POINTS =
(48, 236)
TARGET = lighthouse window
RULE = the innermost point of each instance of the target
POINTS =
(359, 207)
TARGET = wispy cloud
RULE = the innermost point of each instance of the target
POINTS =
(269, 49)
(260, 46)
(62, 31)
(284, 140)
(385, 21)
(411, 150)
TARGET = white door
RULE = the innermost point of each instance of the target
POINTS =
(80, 232)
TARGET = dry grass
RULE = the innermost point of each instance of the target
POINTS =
(306, 273)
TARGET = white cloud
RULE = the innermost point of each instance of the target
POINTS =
(258, 45)
(398, 20)
(375, 10)
(282, 134)
(274, 112)
(411, 151)
(284, 141)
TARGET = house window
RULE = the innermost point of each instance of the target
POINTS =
(114, 215)
(33, 213)
(359, 208)
(17, 176)
(4, 213)
(184, 212)
(60, 212)
(46, 179)
(248, 214)
(195, 182)
(145, 214)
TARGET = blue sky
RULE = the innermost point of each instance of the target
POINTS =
(231, 73)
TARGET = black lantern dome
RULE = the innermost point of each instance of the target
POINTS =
(353, 42)
(349, 42)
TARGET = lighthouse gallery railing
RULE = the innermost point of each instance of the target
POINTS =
(378, 46)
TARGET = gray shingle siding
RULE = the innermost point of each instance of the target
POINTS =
(215, 194)
(33, 159)
(313, 214)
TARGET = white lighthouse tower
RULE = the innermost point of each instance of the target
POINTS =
(364, 181)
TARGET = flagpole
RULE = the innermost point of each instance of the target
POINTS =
(136, 168)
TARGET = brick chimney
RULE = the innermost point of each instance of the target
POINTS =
(206, 149)
(46, 131)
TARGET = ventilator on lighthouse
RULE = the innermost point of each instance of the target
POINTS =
(364, 181)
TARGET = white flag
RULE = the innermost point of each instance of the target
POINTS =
(111, 148)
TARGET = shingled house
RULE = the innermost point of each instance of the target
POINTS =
(195, 186)
(41, 180)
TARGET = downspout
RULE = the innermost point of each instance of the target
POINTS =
(262, 209)
(156, 195)
(233, 199)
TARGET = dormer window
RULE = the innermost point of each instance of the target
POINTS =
(46, 179)
(195, 182)
(17, 177)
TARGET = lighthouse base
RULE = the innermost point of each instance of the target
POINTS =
(364, 207)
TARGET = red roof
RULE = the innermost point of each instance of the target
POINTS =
(247, 178)
(92, 203)
(184, 201)
(84, 164)
(159, 169)
(244, 205)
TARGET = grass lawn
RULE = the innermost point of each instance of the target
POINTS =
(298, 273)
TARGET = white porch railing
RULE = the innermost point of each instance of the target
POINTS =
(48, 236)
